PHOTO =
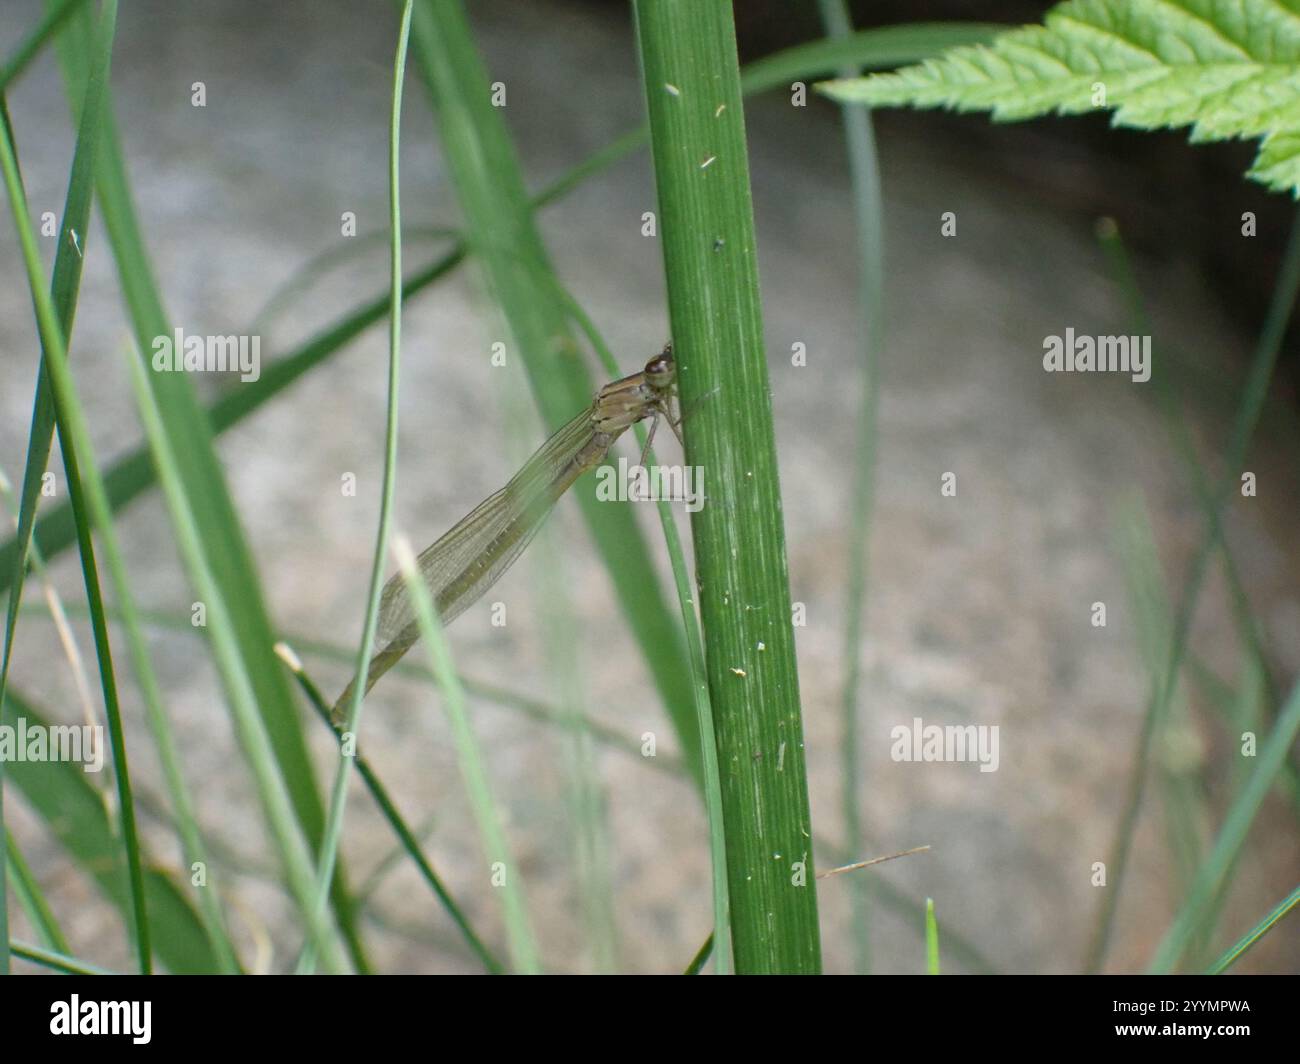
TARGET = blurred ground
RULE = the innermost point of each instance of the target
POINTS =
(979, 605)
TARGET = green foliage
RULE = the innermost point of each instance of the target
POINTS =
(76, 815)
(189, 937)
(1226, 70)
(697, 133)
(190, 436)
(501, 231)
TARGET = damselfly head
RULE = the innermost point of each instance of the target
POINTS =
(661, 370)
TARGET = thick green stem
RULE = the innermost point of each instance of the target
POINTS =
(697, 129)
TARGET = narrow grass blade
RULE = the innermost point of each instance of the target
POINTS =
(28, 892)
(1248, 940)
(65, 284)
(869, 221)
(1112, 243)
(348, 254)
(74, 812)
(388, 809)
(1249, 408)
(699, 676)
(77, 449)
(701, 958)
(502, 232)
(200, 469)
(56, 960)
(887, 46)
(931, 939)
(235, 670)
(1231, 837)
(338, 793)
(55, 16)
(502, 871)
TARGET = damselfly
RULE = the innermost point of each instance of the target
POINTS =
(473, 555)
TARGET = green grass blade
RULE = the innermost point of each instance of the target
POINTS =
(351, 254)
(28, 892)
(701, 958)
(31, 46)
(338, 793)
(234, 667)
(931, 939)
(133, 474)
(502, 233)
(75, 435)
(200, 469)
(56, 960)
(388, 809)
(887, 46)
(868, 216)
(1215, 868)
(699, 677)
(504, 871)
(1248, 940)
(692, 84)
(74, 813)
(1117, 257)
(64, 287)
(1254, 393)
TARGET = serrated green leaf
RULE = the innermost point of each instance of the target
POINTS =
(1225, 70)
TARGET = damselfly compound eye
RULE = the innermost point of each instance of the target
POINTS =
(661, 366)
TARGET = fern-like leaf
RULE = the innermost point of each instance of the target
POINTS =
(1226, 68)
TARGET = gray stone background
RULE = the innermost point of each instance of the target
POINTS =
(978, 609)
